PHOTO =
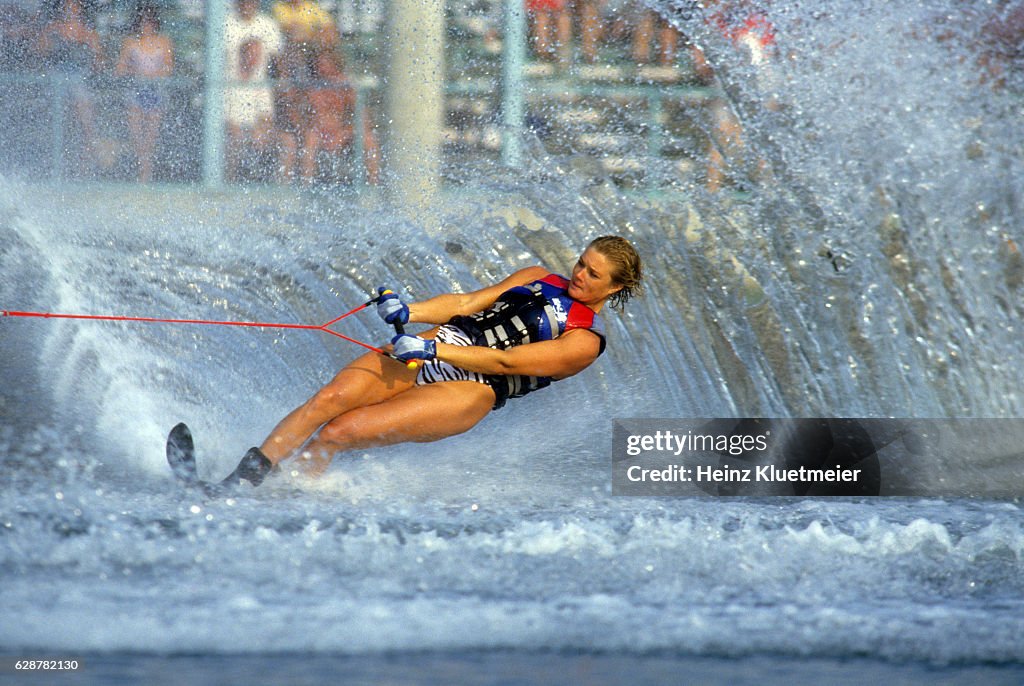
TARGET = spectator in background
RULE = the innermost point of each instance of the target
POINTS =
(746, 24)
(549, 17)
(290, 108)
(332, 120)
(747, 27)
(307, 28)
(651, 25)
(252, 41)
(71, 48)
(591, 27)
(147, 57)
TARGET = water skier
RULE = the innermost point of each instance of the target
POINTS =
(496, 343)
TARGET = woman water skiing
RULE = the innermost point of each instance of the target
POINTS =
(493, 344)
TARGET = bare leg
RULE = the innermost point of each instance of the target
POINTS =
(263, 133)
(136, 132)
(716, 175)
(309, 152)
(563, 36)
(371, 153)
(642, 35)
(369, 379)
(668, 42)
(150, 135)
(590, 30)
(420, 414)
(542, 34)
(728, 140)
(288, 149)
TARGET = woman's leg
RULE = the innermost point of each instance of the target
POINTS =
(150, 136)
(368, 380)
(371, 152)
(310, 146)
(419, 415)
(136, 133)
(542, 34)
(288, 150)
(727, 140)
(590, 29)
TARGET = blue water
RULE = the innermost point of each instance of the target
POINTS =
(852, 281)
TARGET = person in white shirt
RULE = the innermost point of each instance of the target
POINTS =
(252, 40)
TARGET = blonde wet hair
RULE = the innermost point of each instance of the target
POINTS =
(627, 266)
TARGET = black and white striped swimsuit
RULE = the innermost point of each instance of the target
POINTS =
(433, 371)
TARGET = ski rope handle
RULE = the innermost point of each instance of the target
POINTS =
(400, 330)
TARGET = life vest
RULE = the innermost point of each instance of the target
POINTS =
(539, 311)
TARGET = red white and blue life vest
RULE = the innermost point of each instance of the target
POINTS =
(539, 311)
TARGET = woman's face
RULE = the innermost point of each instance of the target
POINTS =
(592, 279)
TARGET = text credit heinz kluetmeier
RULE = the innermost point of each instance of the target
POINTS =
(752, 457)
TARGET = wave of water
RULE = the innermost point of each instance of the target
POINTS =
(467, 544)
(380, 568)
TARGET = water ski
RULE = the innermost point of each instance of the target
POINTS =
(181, 455)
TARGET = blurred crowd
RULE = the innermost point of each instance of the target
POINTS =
(289, 95)
(289, 108)
(291, 113)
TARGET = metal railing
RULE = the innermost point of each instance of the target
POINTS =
(41, 107)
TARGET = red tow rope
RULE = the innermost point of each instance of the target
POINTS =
(160, 320)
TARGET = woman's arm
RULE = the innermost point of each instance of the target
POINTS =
(569, 354)
(439, 309)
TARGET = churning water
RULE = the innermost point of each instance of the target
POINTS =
(871, 270)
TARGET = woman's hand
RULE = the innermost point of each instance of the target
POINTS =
(407, 348)
(391, 308)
